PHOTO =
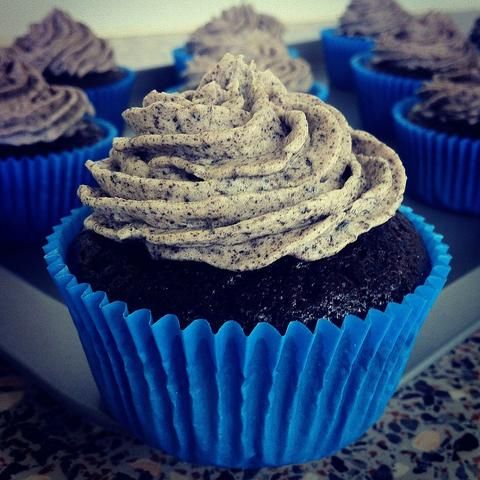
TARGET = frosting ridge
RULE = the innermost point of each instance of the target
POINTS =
(239, 173)
(60, 45)
(33, 111)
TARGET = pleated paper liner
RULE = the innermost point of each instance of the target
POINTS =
(36, 192)
(111, 100)
(443, 169)
(337, 52)
(181, 57)
(318, 89)
(239, 400)
(377, 93)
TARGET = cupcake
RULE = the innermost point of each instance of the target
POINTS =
(438, 135)
(46, 134)
(240, 30)
(361, 23)
(67, 52)
(274, 284)
(402, 61)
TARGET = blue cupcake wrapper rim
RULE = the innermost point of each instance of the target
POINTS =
(237, 400)
(181, 57)
(319, 89)
(111, 100)
(443, 169)
(338, 51)
(36, 192)
(377, 93)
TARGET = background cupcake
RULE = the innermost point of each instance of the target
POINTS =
(46, 134)
(241, 30)
(245, 196)
(361, 23)
(475, 33)
(438, 136)
(67, 52)
(401, 61)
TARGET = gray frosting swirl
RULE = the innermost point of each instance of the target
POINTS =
(371, 18)
(32, 111)
(267, 51)
(239, 173)
(451, 100)
(240, 19)
(427, 45)
(60, 45)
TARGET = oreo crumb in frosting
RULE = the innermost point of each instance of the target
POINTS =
(240, 173)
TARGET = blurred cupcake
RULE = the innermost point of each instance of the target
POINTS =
(402, 61)
(67, 52)
(438, 136)
(46, 135)
(475, 33)
(240, 30)
(362, 22)
(263, 212)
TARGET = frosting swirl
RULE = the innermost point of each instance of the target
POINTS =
(239, 173)
(371, 18)
(32, 111)
(427, 45)
(268, 53)
(450, 103)
(231, 22)
(59, 45)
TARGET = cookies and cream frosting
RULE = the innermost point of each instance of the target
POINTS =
(231, 22)
(450, 100)
(371, 18)
(430, 44)
(239, 173)
(267, 51)
(33, 111)
(60, 45)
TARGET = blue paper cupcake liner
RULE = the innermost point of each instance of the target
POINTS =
(337, 52)
(377, 93)
(318, 89)
(443, 169)
(237, 400)
(36, 192)
(111, 100)
(181, 57)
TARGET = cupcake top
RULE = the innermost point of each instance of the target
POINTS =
(60, 45)
(231, 22)
(239, 173)
(267, 51)
(450, 103)
(475, 33)
(33, 111)
(371, 18)
(430, 44)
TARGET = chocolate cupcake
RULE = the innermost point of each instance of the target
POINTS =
(362, 22)
(431, 44)
(258, 37)
(438, 133)
(46, 133)
(264, 213)
(67, 52)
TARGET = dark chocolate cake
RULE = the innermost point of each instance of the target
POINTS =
(382, 266)
(90, 80)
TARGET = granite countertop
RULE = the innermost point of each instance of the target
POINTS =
(431, 430)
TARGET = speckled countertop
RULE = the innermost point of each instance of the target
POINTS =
(431, 430)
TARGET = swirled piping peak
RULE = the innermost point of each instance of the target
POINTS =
(239, 173)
